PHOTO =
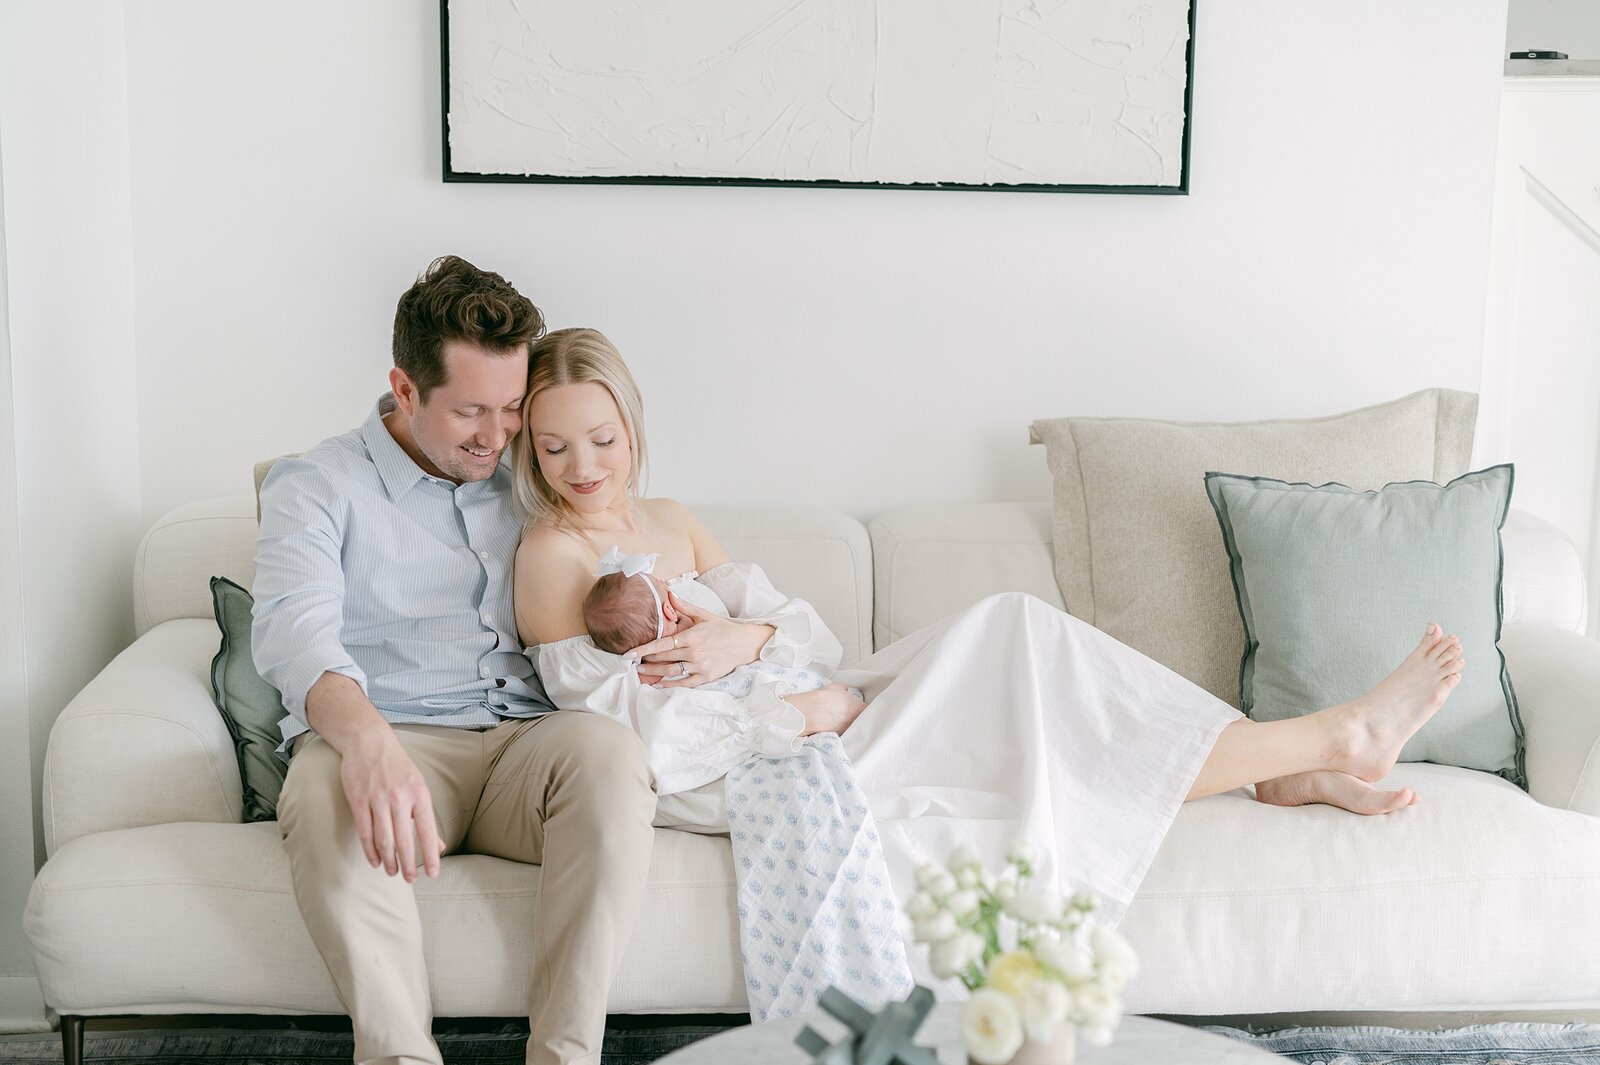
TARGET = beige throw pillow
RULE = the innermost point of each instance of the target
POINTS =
(1138, 553)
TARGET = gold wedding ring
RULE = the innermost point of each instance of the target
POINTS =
(674, 643)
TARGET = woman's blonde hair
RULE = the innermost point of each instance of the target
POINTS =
(574, 357)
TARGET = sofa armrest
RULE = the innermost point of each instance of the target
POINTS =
(1556, 674)
(143, 743)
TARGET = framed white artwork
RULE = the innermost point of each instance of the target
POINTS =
(1023, 95)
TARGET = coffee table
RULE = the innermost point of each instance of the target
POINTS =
(1139, 1041)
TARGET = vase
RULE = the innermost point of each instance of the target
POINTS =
(1058, 1051)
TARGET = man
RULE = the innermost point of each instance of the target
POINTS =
(417, 726)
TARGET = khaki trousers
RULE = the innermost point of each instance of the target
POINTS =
(569, 792)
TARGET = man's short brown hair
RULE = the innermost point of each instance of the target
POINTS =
(454, 300)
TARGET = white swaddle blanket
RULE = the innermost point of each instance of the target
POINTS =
(816, 908)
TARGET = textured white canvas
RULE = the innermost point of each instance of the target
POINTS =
(879, 91)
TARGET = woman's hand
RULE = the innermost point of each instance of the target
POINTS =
(830, 709)
(709, 647)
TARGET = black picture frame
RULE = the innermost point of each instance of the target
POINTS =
(451, 175)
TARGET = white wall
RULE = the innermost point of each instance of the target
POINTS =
(854, 349)
(1541, 373)
(16, 793)
(1570, 26)
(69, 308)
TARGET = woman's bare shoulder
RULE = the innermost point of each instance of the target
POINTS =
(671, 514)
(554, 570)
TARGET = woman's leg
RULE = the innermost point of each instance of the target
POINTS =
(1331, 755)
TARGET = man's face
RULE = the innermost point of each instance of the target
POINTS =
(465, 424)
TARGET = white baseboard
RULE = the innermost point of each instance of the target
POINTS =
(21, 1006)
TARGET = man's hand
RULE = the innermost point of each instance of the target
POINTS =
(385, 790)
(830, 709)
(711, 647)
(391, 804)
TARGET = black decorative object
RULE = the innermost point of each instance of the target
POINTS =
(882, 1038)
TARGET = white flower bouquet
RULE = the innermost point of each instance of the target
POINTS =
(1032, 959)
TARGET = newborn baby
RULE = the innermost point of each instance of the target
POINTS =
(622, 612)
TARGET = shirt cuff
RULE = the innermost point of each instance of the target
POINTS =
(302, 677)
(790, 644)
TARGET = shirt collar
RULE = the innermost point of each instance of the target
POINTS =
(399, 473)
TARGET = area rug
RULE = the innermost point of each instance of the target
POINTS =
(1491, 1044)
(1485, 1044)
(503, 1045)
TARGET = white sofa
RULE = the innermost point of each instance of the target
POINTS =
(1483, 898)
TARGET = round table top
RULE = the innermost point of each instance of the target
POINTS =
(1139, 1041)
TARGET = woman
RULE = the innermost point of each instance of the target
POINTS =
(1008, 719)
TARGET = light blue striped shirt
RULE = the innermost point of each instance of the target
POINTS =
(368, 567)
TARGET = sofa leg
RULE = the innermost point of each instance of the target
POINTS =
(71, 1039)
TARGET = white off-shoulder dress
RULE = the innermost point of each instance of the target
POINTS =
(1010, 719)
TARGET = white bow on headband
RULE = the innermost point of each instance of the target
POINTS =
(614, 561)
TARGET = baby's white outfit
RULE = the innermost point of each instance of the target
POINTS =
(816, 905)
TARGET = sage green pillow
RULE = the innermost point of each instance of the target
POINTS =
(250, 706)
(1335, 587)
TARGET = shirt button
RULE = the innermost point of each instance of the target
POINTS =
(483, 554)
(485, 671)
(487, 620)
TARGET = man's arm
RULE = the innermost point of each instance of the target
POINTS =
(386, 792)
(297, 646)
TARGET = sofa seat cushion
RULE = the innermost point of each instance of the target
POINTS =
(204, 914)
(1476, 897)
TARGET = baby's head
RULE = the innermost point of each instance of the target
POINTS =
(621, 612)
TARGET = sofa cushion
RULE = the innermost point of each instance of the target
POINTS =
(1336, 586)
(250, 706)
(201, 918)
(1477, 897)
(1452, 904)
(1137, 552)
(929, 561)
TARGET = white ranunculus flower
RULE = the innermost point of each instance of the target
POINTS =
(965, 857)
(1044, 1005)
(1084, 901)
(921, 906)
(962, 904)
(991, 1027)
(1005, 891)
(1023, 852)
(950, 957)
(1114, 955)
(935, 929)
(926, 872)
(1095, 1007)
(1069, 958)
(940, 884)
(969, 876)
(1039, 905)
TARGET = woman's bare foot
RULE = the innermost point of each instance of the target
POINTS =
(1333, 789)
(1371, 730)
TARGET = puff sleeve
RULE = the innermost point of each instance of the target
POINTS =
(800, 637)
